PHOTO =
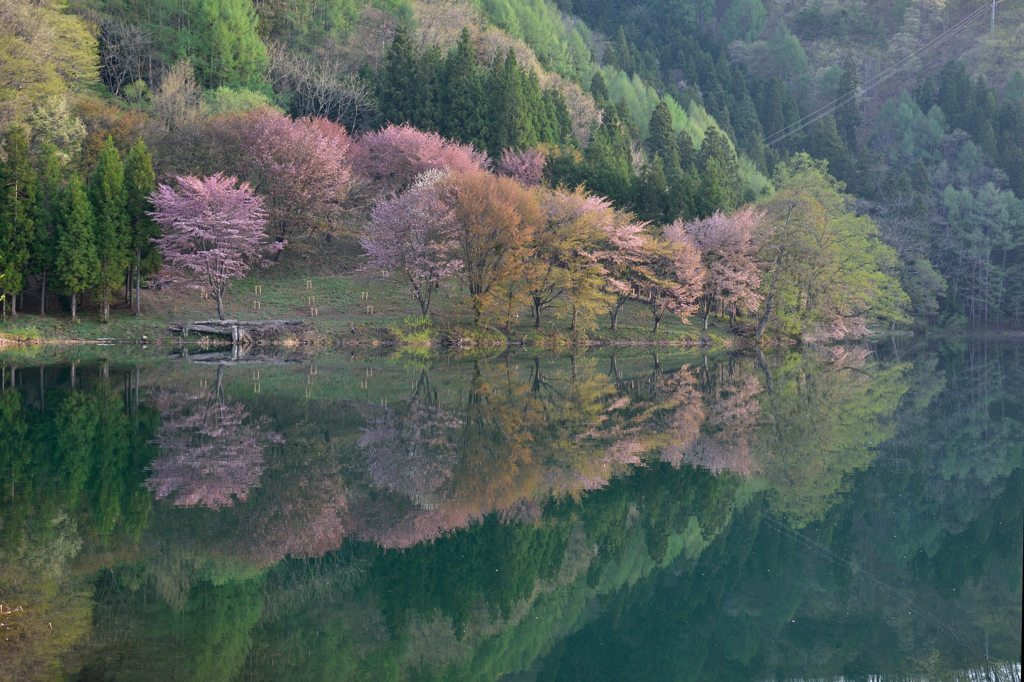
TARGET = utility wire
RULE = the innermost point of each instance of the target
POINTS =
(878, 79)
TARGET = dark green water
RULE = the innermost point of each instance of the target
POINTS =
(821, 514)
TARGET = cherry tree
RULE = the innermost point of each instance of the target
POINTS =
(677, 279)
(391, 159)
(733, 279)
(413, 237)
(302, 166)
(526, 167)
(214, 232)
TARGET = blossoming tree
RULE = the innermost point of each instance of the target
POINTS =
(214, 232)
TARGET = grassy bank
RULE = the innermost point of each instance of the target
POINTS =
(319, 282)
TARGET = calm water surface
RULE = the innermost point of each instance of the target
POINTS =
(815, 514)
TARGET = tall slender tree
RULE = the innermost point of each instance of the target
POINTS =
(18, 190)
(51, 197)
(107, 195)
(139, 182)
(77, 264)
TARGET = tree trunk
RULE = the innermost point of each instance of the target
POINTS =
(106, 305)
(536, 313)
(762, 324)
(220, 304)
(138, 281)
(657, 323)
(74, 306)
(614, 313)
(706, 318)
(14, 305)
(42, 296)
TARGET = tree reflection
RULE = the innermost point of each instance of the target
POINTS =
(211, 450)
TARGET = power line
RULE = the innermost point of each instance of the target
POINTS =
(878, 79)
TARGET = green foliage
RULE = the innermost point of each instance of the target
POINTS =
(744, 20)
(19, 188)
(225, 100)
(561, 46)
(77, 263)
(112, 237)
(226, 48)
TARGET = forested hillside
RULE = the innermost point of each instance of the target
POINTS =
(662, 115)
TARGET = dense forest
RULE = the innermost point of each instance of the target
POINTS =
(810, 169)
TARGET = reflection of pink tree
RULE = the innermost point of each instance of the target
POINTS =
(211, 452)
(413, 453)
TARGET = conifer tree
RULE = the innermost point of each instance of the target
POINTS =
(51, 197)
(107, 195)
(139, 183)
(725, 178)
(599, 89)
(609, 162)
(652, 197)
(848, 116)
(402, 93)
(18, 191)
(76, 261)
(512, 117)
(462, 94)
(824, 142)
(230, 51)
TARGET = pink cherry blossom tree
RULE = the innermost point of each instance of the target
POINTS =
(413, 237)
(725, 243)
(391, 159)
(301, 166)
(677, 279)
(526, 167)
(214, 232)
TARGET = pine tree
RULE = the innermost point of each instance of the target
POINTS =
(76, 263)
(51, 197)
(462, 94)
(18, 192)
(848, 116)
(514, 101)
(139, 183)
(107, 195)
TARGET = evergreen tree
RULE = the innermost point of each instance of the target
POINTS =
(511, 92)
(1015, 88)
(715, 150)
(107, 195)
(824, 143)
(18, 191)
(51, 196)
(599, 90)
(77, 264)
(139, 183)
(848, 116)
(229, 49)
(609, 162)
(402, 94)
(652, 195)
(462, 94)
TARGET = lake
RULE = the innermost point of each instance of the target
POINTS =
(846, 512)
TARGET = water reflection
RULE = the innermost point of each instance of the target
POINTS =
(813, 513)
